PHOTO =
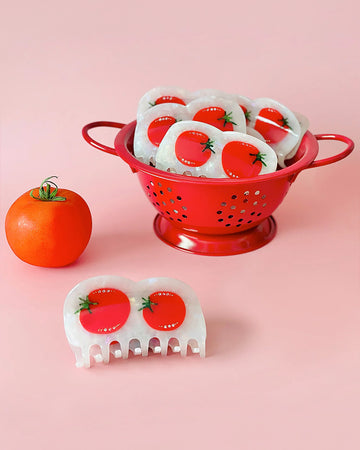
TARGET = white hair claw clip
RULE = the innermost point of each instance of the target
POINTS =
(108, 316)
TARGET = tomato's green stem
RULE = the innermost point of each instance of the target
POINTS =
(47, 191)
(85, 304)
(259, 157)
(285, 122)
(247, 114)
(152, 104)
(227, 118)
(209, 144)
(147, 304)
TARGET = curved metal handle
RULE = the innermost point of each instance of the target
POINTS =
(333, 137)
(97, 144)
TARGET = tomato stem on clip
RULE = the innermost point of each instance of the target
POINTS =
(259, 157)
(146, 304)
(227, 118)
(45, 192)
(85, 304)
(209, 144)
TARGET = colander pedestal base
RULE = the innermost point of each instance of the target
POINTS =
(215, 245)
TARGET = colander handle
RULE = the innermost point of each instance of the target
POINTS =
(333, 137)
(96, 144)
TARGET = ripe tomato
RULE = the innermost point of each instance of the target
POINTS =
(193, 148)
(217, 117)
(104, 310)
(272, 125)
(242, 160)
(47, 226)
(158, 128)
(163, 310)
(168, 99)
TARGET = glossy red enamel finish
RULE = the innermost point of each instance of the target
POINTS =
(239, 160)
(109, 314)
(158, 128)
(167, 311)
(215, 116)
(271, 124)
(190, 148)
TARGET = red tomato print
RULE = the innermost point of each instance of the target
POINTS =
(242, 160)
(193, 148)
(272, 125)
(158, 128)
(217, 117)
(246, 113)
(163, 310)
(104, 310)
(168, 99)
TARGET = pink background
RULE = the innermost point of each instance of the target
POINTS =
(283, 366)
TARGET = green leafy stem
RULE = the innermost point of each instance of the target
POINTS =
(48, 191)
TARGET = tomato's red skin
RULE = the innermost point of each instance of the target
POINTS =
(189, 148)
(238, 160)
(169, 99)
(213, 116)
(48, 233)
(110, 313)
(158, 128)
(272, 132)
(167, 310)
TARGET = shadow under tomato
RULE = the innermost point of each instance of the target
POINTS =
(105, 247)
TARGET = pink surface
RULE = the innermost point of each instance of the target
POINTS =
(283, 365)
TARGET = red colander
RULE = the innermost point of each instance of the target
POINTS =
(219, 216)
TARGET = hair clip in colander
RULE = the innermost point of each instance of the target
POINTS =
(109, 316)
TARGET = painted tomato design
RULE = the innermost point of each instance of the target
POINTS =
(242, 160)
(163, 310)
(158, 128)
(168, 99)
(217, 117)
(104, 310)
(247, 114)
(193, 148)
(272, 125)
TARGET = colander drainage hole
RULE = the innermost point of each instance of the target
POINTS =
(159, 184)
(161, 192)
(240, 220)
(154, 194)
(230, 217)
(238, 225)
(252, 213)
(184, 208)
(185, 217)
(223, 204)
(179, 198)
(167, 212)
(249, 221)
(228, 224)
(220, 220)
(148, 187)
(172, 201)
(158, 203)
(219, 212)
(169, 189)
(259, 214)
(179, 220)
(152, 184)
(246, 200)
(234, 197)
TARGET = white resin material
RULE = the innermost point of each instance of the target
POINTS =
(167, 160)
(286, 145)
(135, 335)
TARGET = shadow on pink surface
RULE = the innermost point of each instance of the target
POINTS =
(225, 334)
